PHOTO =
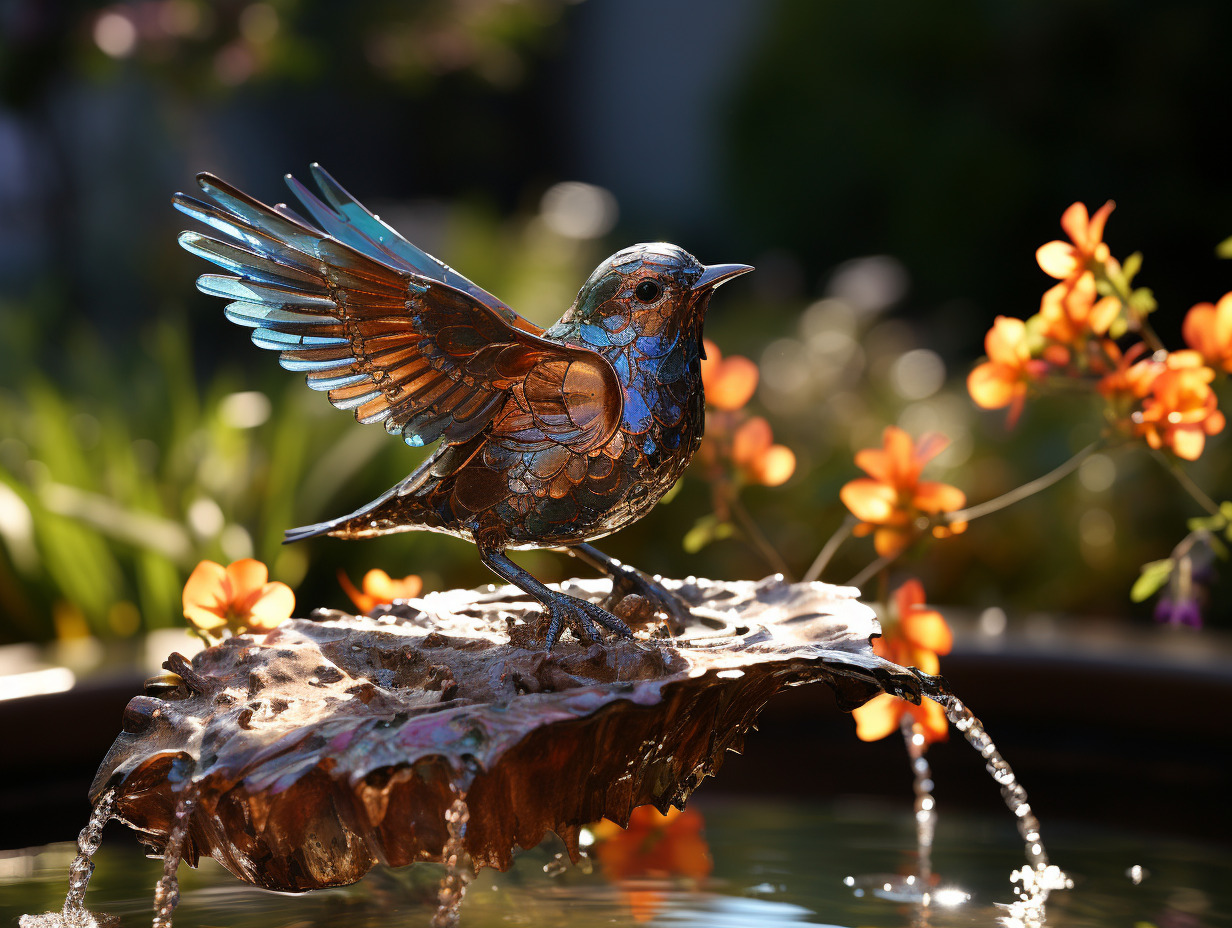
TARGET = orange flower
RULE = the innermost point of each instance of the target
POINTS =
(729, 382)
(1002, 380)
(892, 499)
(654, 845)
(1065, 260)
(1071, 313)
(1130, 379)
(235, 599)
(1208, 330)
(756, 455)
(1180, 409)
(379, 588)
(913, 636)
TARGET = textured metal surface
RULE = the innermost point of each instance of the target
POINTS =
(548, 438)
(330, 745)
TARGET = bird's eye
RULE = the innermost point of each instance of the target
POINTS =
(647, 291)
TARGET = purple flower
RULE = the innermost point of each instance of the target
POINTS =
(1183, 611)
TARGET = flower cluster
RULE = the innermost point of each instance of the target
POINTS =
(1165, 399)
(911, 635)
(221, 601)
(741, 445)
(892, 502)
(1159, 397)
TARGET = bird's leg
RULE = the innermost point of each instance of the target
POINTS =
(561, 607)
(626, 580)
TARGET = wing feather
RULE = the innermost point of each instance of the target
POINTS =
(389, 332)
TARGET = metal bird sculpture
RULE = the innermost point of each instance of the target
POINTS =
(549, 438)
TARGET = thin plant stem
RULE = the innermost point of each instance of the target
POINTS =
(1152, 340)
(754, 533)
(1027, 489)
(841, 534)
(878, 565)
(982, 509)
(1187, 483)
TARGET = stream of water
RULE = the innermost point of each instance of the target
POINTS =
(73, 914)
(459, 871)
(167, 890)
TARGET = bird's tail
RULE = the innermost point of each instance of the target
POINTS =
(311, 531)
(358, 524)
(395, 509)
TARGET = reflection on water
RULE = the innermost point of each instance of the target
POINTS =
(775, 864)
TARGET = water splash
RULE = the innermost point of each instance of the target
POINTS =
(74, 913)
(1036, 881)
(167, 890)
(1033, 883)
(459, 870)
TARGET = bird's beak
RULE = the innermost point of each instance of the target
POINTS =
(715, 274)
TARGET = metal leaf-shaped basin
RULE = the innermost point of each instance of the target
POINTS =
(337, 742)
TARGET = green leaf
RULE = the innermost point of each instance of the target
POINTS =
(1142, 301)
(1154, 575)
(705, 530)
(1131, 267)
(1224, 248)
(1205, 523)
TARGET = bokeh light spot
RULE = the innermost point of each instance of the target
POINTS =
(575, 210)
(245, 410)
(918, 374)
(1097, 473)
(115, 34)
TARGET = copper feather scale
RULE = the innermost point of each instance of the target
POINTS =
(548, 438)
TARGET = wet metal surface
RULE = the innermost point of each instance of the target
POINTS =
(336, 743)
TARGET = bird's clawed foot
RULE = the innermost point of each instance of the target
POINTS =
(632, 582)
(583, 617)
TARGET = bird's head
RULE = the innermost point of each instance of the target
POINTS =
(655, 288)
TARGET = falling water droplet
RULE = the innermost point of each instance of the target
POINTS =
(459, 870)
(922, 785)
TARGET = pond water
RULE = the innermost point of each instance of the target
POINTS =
(775, 864)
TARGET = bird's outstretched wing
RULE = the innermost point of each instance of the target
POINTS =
(390, 332)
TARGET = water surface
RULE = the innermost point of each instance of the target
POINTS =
(775, 864)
